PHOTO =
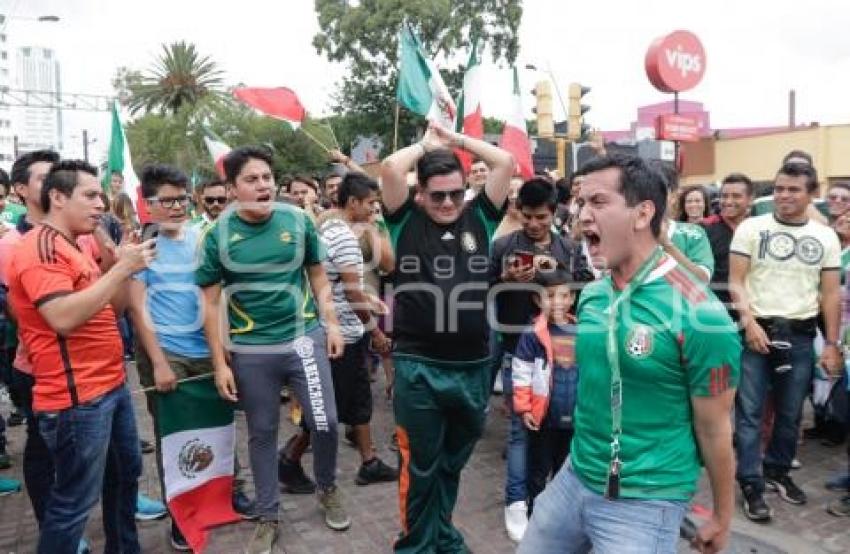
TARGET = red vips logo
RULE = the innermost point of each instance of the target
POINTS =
(675, 62)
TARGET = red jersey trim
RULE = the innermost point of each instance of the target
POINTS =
(683, 283)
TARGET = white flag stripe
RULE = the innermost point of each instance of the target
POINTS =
(219, 439)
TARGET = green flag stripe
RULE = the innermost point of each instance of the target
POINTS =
(115, 159)
(414, 89)
(193, 405)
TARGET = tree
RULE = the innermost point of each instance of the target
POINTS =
(179, 77)
(366, 37)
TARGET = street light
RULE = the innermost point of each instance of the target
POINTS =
(548, 71)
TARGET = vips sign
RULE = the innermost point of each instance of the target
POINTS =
(677, 127)
(675, 62)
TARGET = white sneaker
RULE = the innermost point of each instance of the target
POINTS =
(497, 386)
(516, 520)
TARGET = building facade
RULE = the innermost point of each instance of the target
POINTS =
(37, 70)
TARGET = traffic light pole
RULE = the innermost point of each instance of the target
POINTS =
(676, 142)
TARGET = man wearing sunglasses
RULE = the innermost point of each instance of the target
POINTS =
(440, 325)
(212, 198)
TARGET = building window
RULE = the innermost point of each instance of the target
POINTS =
(4, 55)
(2, 37)
(26, 52)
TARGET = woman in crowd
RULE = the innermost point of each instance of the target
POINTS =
(694, 204)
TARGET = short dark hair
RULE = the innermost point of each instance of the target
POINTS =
(838, 185)
(436, 163)
(116, 173)
(552, 278)
(332, 175)
(307, 180)
(668, 173)
(355, 185)
(801, 170)
(21, 167)
(738, 178)
(477, 160)
(64, 176)
(156, 175)
(797, 154)
(562, 190)
(536, 193)
(236, 159)
(209, 183)
(638, 183)
(4, 179)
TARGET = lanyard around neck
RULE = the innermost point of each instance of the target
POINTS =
(613, 350)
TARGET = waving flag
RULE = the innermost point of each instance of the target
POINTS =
(280, 102)
(420, 87)
(119, 160)
(515, 135)
(470, 122)
(218, 150)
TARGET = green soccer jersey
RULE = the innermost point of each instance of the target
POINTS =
(845, 264)
(261, 267)
(675, 340)
(12, 213)
(692, 241)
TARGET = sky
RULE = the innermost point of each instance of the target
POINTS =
(755, 53)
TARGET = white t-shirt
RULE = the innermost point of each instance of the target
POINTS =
(786, 262)
(344, 252)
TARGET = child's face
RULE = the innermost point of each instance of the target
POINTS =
(558, 301)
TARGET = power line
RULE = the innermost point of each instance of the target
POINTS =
(55, 100)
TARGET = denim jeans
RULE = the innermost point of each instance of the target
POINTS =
(570, 518)
(516, 472)
(95, 448)
(789, 391)
(39, 472)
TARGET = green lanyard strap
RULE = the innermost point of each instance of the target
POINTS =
(614, 356)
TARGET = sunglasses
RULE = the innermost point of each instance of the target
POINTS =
(210, 200)
(170, 202)
(439, 196)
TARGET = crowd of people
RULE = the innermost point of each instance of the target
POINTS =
(638, 333)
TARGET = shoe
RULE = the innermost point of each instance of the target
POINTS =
(785, 487)
(9, 486)
(840, 507)
(375, 471)
(178, 541)
(15, 419)
(335, 516)
(516, 520)
(796, 464)
(265, 535)
(755, 508)
(244, 506)
(5, 460)
(146, 447)
(148, 509)
(292, 477)
(83, 547)
(839, 483)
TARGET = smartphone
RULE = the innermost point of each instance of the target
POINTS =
(150, 231)
(524, 259)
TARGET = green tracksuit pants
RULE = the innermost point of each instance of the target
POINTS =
(439, 413)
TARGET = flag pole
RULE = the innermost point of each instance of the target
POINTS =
(395, 128)
(314, 139)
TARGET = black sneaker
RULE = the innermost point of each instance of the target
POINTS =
(375, 471)
(293, 478)
(244, 506)
(785, 487)
(178, 541)
(755, 508)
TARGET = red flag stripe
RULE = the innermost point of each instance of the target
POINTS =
(279, 102)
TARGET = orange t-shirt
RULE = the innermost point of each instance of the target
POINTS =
(67, 370)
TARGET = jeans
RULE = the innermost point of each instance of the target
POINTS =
(95, 448)
(517, 458)
(789, 391)
(570, 518)
(39, 472)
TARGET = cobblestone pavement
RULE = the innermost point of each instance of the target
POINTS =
(373, 509)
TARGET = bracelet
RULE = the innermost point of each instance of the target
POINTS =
(836, 343)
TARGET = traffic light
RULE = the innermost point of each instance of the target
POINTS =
(543, 109)
(577, 130)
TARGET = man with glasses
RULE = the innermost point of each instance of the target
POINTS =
(838, 199)
(440, 325)
(212, 198)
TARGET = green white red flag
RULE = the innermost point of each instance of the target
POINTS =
(197, 430)
(118, 159)
(515, 135)
(218, 149)
(420, 87)
(470, 121)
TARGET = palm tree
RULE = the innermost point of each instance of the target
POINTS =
(180, 77)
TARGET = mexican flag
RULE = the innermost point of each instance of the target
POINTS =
(218, 149)
(119, 160)
(197, 430)
(469, 119)
(515, 135)
(278, 102)
(420, 87)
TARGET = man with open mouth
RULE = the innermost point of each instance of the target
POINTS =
(658, 357)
